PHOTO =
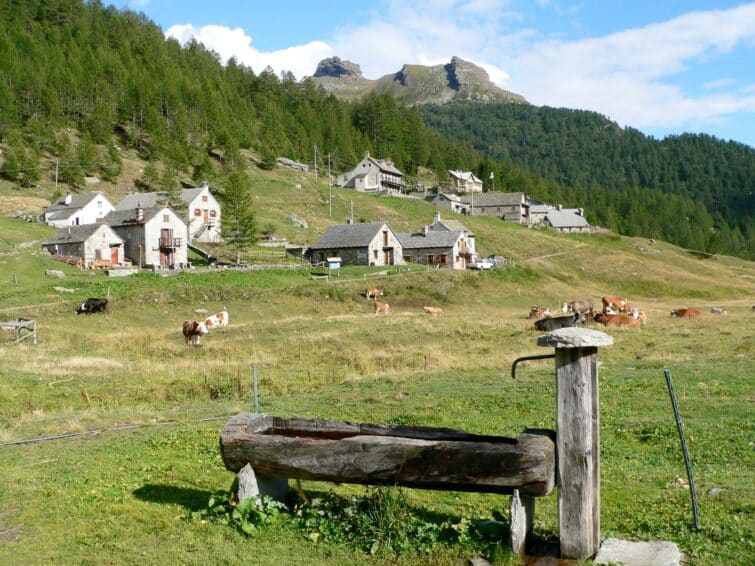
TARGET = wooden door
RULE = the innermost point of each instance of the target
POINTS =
(114, 255)
(206, 216)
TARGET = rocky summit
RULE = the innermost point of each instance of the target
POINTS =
(415, 84)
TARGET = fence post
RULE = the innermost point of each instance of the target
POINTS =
(577, 438)
(256, 391)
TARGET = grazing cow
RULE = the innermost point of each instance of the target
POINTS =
(373, 293)
(686, 313)
(193, 331)
(538, 312)
(621, 320)
(616, 303)
(717, 310)
(217, 320)
(382, 307)
(92, 305)
(548, 324)
(432, 310)
(584, 307)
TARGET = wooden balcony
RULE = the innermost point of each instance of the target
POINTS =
(169, 243)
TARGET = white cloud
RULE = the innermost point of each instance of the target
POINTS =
(301, 60)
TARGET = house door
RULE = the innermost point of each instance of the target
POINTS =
(166, 259)
(114, 255)
(388, 257)
(206, 216)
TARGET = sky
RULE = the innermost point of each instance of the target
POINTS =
(664, 67)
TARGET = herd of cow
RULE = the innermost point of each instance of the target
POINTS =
(616, 311)
(385, 308)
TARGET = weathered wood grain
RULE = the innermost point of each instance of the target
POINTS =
(418, 457)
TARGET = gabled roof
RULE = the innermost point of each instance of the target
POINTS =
(494, 199)
(349, 235)
(385, 165)
(148, 200)
(449, 226)
(75, 234)
(77, 202)
(566, 218)
(541, 208)
(442, 195)
(127, 217)
(464, 175)
(432, 239)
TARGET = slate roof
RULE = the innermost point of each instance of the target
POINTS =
(386, 166)
(148, 200)
(76, 234)
(465, 175)
(494, 199)
(77, 201)
(349, 235)
(541, 208)
(433, 239)
(566, 218)
(449, 225)
(125, 217)
(442, 195)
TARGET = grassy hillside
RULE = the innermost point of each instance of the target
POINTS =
(127, 495)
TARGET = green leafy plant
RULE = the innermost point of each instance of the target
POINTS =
(248, 515)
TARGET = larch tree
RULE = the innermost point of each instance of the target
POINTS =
(239, 225)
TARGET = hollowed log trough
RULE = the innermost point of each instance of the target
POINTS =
(409, 456)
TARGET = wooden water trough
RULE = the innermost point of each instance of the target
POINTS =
(416, 457)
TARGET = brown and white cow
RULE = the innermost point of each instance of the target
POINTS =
(373, 293)
(193, 331)
(620, 320)
(432, 310)
(217, 320)
(686, 313)
(585, 306)
(637, 313)
(382, 307)
(537, 312)
(619, 304)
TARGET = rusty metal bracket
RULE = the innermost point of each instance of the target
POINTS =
(526, 358)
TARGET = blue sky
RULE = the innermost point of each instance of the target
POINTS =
(663, 66)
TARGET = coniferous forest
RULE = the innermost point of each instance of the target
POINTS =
(112, 77)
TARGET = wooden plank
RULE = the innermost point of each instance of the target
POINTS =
(418, 457)
(578, 452)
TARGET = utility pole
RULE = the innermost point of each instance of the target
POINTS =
(56, 177)
(330, 191)
(351, 216)
(315, 164)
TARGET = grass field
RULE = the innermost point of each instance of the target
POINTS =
(126, 495)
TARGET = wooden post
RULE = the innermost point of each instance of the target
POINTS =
(578, 438)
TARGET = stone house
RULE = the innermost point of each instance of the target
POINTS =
(153, 237)
(371, 243)
(203, 211)
(444, 243)
(74, 210)
(567, 220)
(452, 202)
(464, 182)
(89, 243)
(373, 175)
(507, 206)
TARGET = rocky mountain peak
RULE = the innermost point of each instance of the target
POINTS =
(336, 68)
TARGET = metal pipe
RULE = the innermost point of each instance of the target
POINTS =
(687, 462)
(525, 358)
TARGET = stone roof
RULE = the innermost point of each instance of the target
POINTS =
(76, 234)
(385, 165)
(566, 218)
(442, 195)
(431, 239)
(77, 202)
(449, 225)
(125, 217)
(465, 175)
(494, 199)
(148, 200)
(349, 235)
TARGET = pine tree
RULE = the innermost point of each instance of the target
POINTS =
(239, 226)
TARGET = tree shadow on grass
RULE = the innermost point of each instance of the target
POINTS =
(188, 497)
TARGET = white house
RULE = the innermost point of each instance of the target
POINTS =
(373, 175)
(73, 210)
(204, 213)
(464, 182)
(87, 243)
(153, 237)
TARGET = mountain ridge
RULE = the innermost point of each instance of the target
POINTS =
(458, 80)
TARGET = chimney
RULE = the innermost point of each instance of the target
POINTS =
(67, 200)
(581, 211)
(139, 212)
(205, 184)
(558, 207)
(436, 219)
(425, 229)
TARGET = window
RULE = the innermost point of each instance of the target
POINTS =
(213, 213)
(99, 204)
(166, 217)
(408, 258)
(197, 212)
(385, 237)
(204, 198)
(443, 259)
(374, 254)
(430, 259)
